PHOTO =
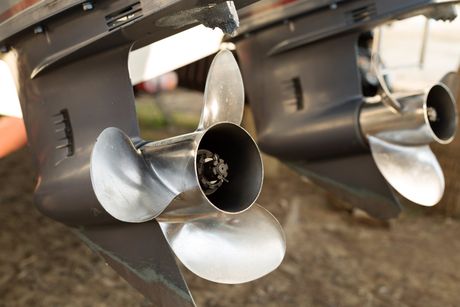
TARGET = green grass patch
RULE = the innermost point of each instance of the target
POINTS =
(150, 116)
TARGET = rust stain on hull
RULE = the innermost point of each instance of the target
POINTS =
(16, 8)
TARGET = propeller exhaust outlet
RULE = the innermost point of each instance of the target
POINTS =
(219, 168)
(422, 119)
(238, 168)
(441, 113)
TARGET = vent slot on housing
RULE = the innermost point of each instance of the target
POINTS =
(293, 95)
(124, 16)
(361, 14)
(64, 133)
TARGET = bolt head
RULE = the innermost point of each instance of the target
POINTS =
(39, 29)
(88, 6)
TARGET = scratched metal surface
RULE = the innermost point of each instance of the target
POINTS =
(17, 15)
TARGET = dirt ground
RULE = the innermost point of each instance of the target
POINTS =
(334, 258)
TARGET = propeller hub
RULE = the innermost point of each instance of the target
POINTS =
(432, 114)
(212, 171)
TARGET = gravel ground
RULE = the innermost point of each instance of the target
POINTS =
(334, 258)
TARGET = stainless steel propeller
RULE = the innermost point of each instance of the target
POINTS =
(399, 129)
(399, 140)
(200, 187)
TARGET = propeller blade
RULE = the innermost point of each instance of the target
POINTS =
(228, 248)
(413, 171)
(224, 92)
(122, 180)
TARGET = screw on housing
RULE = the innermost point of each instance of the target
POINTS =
(88, 6)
